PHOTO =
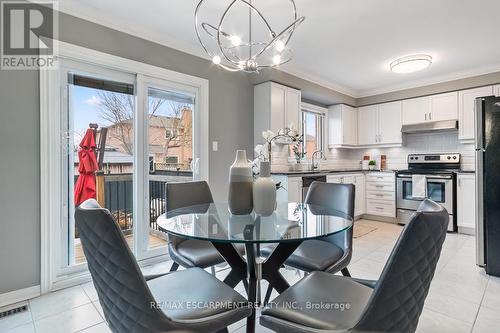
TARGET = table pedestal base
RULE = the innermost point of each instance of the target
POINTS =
(249, 272)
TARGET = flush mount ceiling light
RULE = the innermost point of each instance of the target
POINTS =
(411, 63)
(236, 43)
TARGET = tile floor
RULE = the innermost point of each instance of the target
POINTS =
(462, 297)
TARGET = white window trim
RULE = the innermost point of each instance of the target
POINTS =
(51, 132)
(319, 110)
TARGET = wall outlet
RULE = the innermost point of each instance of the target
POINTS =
(215, 145)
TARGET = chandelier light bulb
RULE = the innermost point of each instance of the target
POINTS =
(280, 46)
(228, 39)
(235, 40)
(216, 60)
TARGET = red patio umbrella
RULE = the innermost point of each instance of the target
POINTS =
(85, 185)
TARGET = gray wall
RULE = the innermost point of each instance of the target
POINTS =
(311, 92)
(472, 82)
(231, 123)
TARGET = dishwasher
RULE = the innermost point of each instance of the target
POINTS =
(307, 181)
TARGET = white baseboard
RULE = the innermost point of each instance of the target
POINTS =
(19, 295)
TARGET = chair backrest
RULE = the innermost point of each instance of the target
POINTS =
(336, 197)
(123, 293)
(179, 195)
(398, 297)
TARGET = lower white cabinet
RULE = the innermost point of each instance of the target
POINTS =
(358, 180)
(466, 203)
(381, 194)
(360, 198)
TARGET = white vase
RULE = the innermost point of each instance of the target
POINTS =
(240, 185)
(264, 191)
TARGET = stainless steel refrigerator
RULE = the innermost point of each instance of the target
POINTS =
(487, 145)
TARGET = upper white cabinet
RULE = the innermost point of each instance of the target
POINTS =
(430, 108)
(466, 105)
(443, 106)
(275, 107)
(380, 124)
(496, 90)
(368, 119)
(342, 126)
(466, 203)
(416, 110)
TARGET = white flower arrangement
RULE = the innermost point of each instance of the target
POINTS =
(287, 135)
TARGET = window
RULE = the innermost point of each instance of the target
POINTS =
(172, 160)
(171, 134)
(312, 123)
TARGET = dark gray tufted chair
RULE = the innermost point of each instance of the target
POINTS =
(331, 254)
(190, 252)
(395, 302)
(128, 298)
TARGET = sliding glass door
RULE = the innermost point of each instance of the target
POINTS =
(145, 134)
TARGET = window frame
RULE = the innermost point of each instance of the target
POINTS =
(319, 111)
(51, 133)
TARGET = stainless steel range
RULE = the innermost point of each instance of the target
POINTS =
(440, 177)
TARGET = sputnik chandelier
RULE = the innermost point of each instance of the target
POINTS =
(242, 39)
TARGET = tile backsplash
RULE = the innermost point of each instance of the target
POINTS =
(443, 142)
(439, 142)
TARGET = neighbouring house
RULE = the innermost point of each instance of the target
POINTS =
(170, 144)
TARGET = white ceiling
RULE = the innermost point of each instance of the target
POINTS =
(343, 44)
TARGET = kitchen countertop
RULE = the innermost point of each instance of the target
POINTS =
(303, 173)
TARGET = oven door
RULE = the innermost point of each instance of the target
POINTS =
(439, 189)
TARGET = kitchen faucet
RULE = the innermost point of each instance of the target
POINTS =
(313, 163)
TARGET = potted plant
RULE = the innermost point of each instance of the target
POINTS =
(371, 165)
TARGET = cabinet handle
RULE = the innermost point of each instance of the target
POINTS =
(379, 186)
(426, 116)
(430, 116)
(379, 208)
(379, 195)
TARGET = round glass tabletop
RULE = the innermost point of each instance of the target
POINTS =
(290, 222)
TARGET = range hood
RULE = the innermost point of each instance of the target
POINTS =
(431, 126)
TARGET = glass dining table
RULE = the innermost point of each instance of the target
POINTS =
(289, 225)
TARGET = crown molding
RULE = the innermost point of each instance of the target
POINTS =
(430, 81)
(122, 26)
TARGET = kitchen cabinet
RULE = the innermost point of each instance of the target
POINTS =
(430, 108)
(390, 121)
(368, 125)
(466, 105)
(359, 203)
(380, 124)
(496, 90)
(443, 106)
(381, 194)
(466, 203)
(275, 107)
(342, 126)
(358, 180)
(415, 110)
